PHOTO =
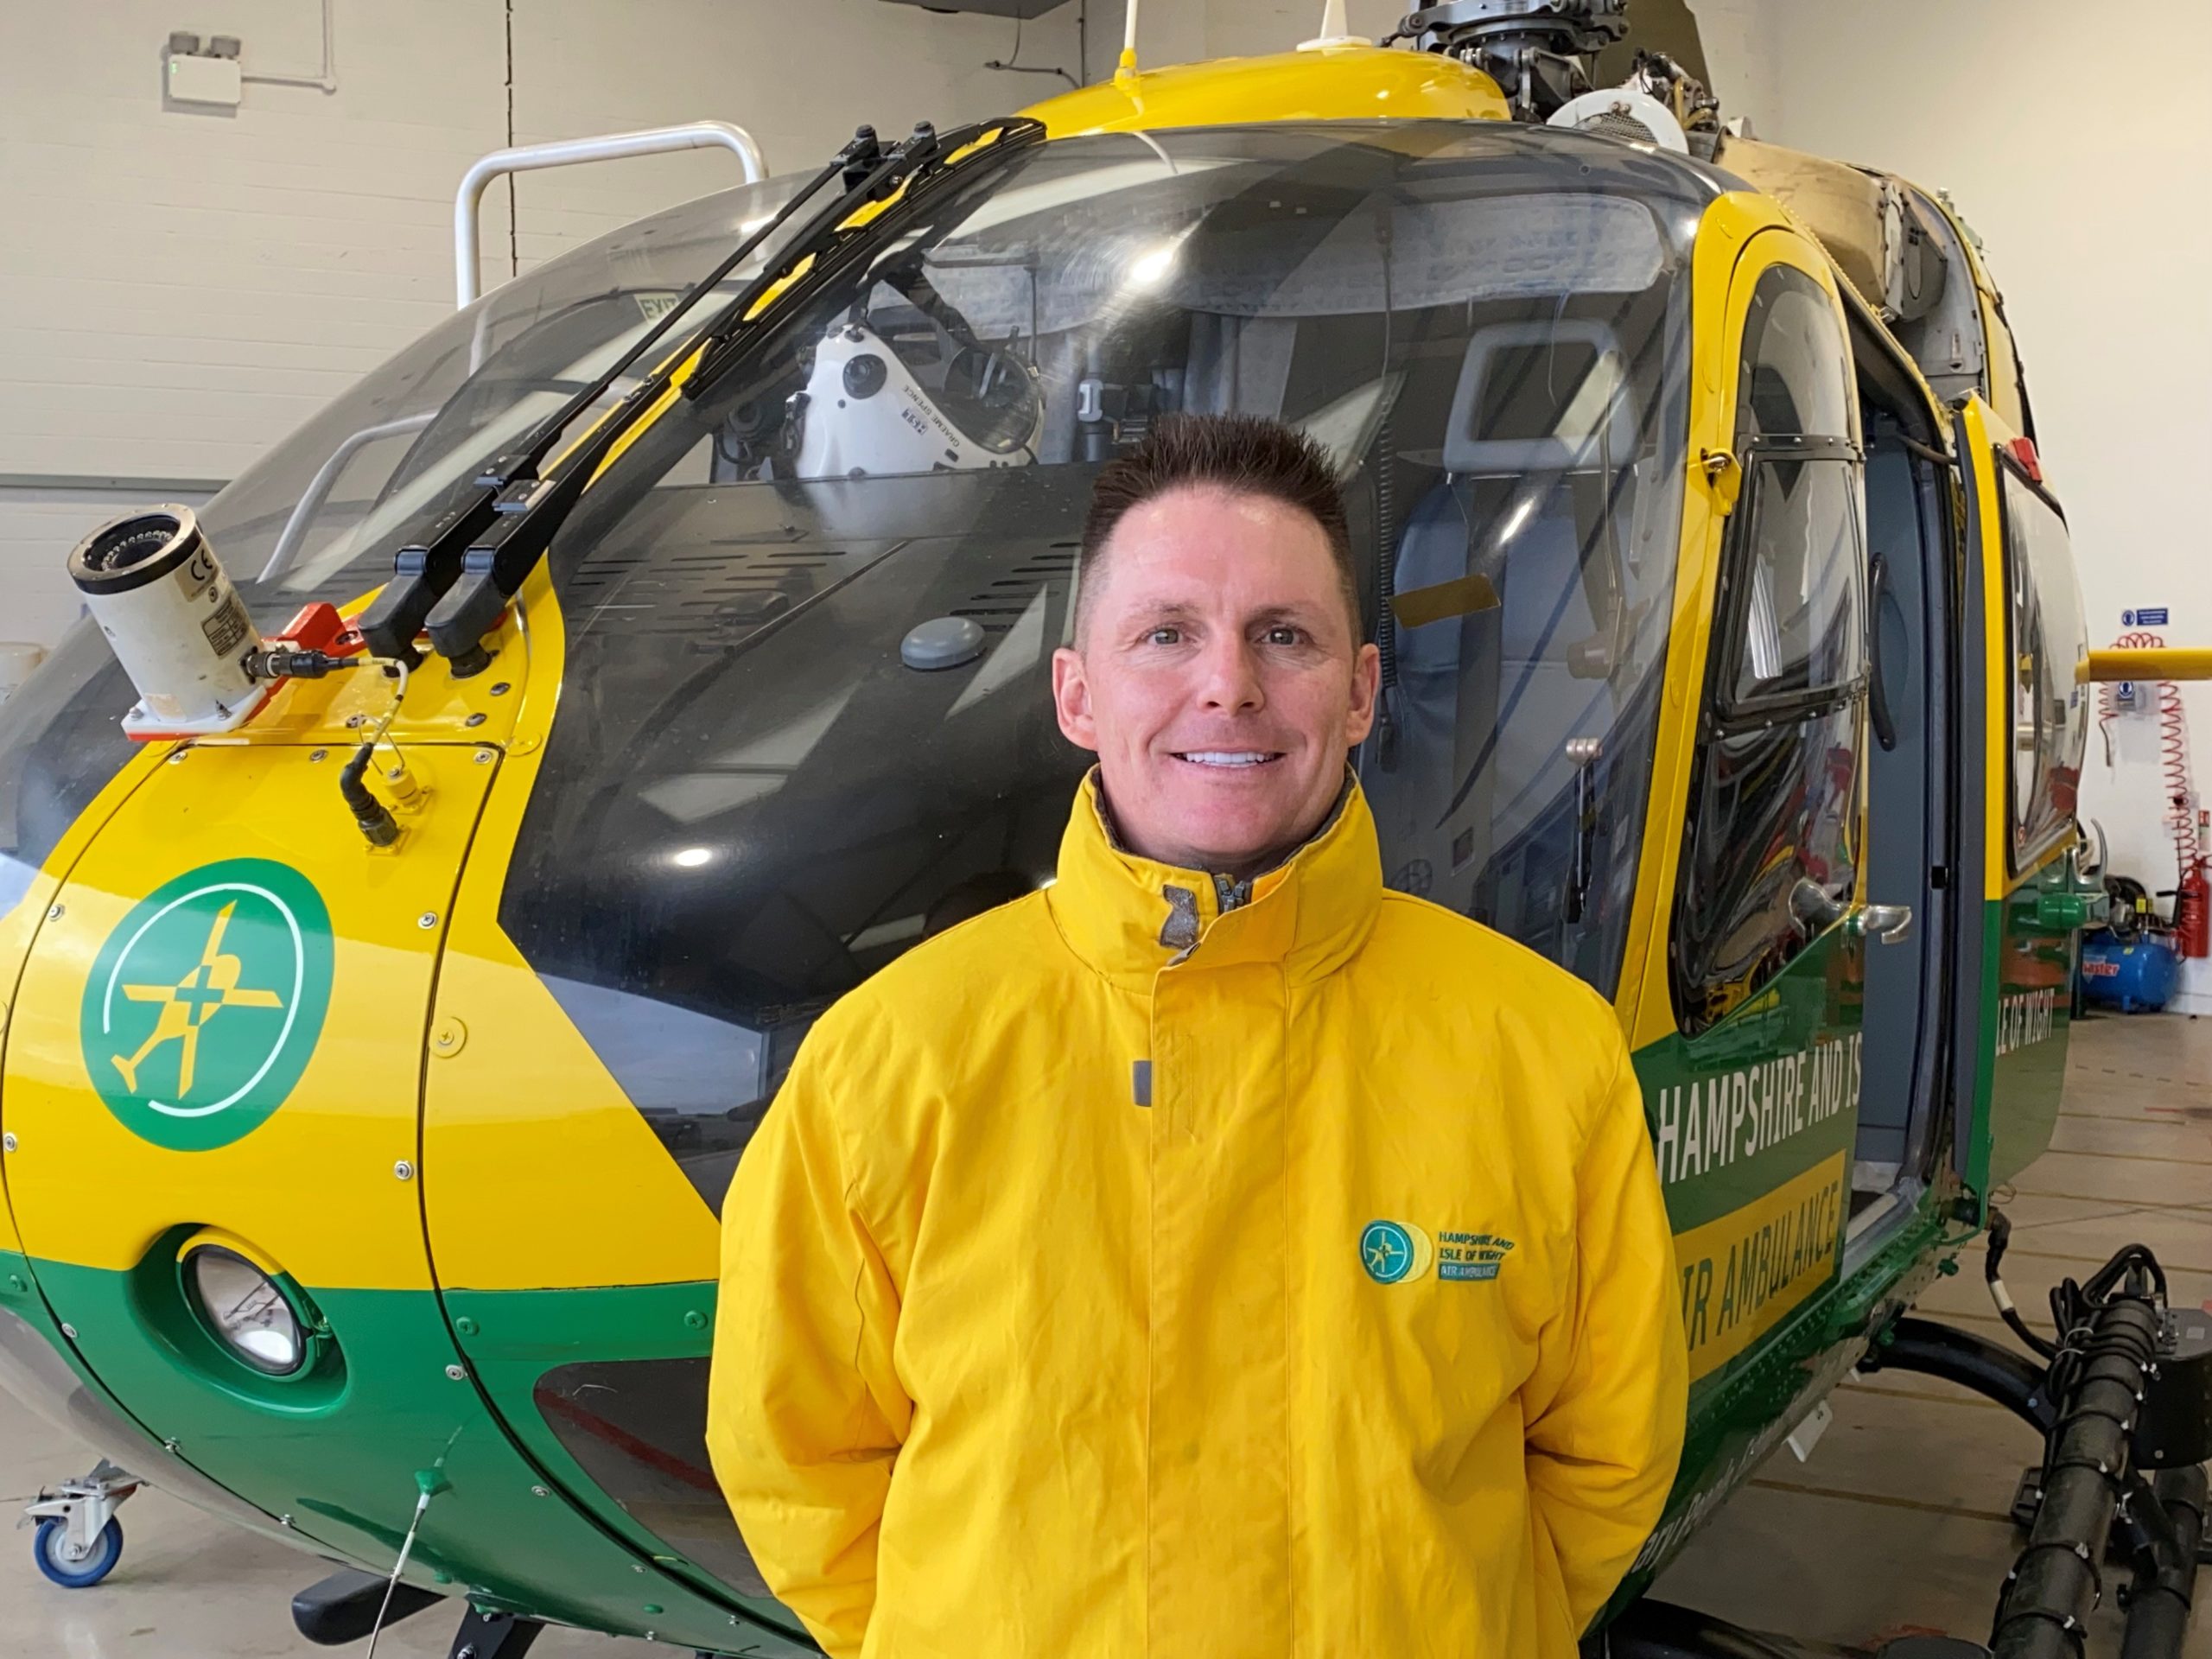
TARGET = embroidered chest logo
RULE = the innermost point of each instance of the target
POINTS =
(1394, 1252)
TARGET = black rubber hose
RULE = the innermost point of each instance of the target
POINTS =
(2165, 1525)
(1932, 1349)
(2050, 1592)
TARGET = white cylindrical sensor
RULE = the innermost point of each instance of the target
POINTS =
(182, 632)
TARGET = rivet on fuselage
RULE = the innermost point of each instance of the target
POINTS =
(318, 755)
(539, 1492)
(7, 1143)
(483, 757)
(55, 912)
(427, 918)
(402, 1171)
(69, 1330)
(458, 1373)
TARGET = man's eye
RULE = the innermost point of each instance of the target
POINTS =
(1284, 634)
(1164, 637)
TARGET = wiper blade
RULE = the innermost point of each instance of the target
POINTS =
(424, 572)
(519, 514)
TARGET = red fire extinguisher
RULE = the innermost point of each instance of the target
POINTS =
(2193, 911)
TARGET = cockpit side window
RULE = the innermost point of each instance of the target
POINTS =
(1772, 855)
(2049, 639)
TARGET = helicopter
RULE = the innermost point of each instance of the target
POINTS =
(420, 868)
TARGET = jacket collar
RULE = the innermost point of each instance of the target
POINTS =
(1129, 917)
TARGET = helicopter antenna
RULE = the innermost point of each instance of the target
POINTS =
(1336, 29)
(1127, 69)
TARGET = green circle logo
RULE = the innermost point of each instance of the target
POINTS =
(206, 1003)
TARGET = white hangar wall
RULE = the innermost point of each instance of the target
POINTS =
(2090, 204)
(179, 288)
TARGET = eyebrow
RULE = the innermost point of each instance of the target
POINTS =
(1266, 616)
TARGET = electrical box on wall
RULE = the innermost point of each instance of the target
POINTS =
(193, 78)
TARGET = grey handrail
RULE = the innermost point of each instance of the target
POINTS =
(567, 152)
(319, 487)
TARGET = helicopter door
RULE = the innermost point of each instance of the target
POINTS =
(2023, 766)
(1753, 1080)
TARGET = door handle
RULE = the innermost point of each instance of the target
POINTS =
(1814, 911)
(1884, 923)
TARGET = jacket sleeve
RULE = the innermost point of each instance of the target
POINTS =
(1607, 1403)
(806, 1414)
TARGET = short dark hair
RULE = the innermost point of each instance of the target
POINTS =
(1248, 454)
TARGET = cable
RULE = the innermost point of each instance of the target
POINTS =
(2000, 1235)
(1014, 66)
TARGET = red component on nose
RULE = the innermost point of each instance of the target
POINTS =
(319, 627)
(2024, 451)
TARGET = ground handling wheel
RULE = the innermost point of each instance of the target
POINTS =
(50, 1548)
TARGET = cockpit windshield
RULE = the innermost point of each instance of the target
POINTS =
(752, 796)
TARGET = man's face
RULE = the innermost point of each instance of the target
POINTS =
(1217, 677)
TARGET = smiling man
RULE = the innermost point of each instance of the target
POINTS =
(1213, 1255)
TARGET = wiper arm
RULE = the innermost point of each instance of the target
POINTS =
(424, 572)
(519, 512)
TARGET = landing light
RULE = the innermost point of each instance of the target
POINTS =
(246, 1311)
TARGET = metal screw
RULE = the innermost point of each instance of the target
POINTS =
(477, 719)
(7, 1143)
(458, 1373)
(177, 760)
(696, 1320)
(55, 912)
(353, 723)
(499, 688)
(427, 918)
(284, 1519)
(465, 1326)
(483, 757)
(402, 1171)
(69, 1330)
(539, 1492)
(16, 1283)
(637, 1567)
(168, 1445)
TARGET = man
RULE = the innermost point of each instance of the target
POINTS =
(1212, 1254)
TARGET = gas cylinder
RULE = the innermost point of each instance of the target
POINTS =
(2193, 911)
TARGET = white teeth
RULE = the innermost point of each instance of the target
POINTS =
(1226, 758)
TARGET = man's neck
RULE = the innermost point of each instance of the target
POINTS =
(1239, 872)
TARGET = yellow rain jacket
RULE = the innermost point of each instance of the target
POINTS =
(1296, 1286)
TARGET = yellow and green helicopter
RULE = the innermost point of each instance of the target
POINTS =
(396, 960)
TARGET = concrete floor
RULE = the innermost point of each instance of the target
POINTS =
(1896, 1523)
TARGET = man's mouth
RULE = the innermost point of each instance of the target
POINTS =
(1228, 759)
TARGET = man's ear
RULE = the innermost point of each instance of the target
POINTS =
(1072, 699)
(1366, 675)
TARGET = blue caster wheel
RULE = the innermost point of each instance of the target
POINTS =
(49, 1546)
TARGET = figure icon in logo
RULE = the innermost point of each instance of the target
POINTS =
(186, 1007)
(1387, 1253)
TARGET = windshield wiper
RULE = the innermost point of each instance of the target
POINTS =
(459, 578)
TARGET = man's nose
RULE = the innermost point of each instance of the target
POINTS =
(1230, 682)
